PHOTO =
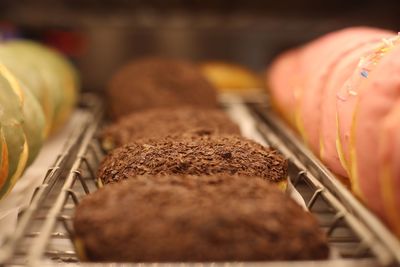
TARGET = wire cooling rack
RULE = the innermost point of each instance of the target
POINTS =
(45, 233)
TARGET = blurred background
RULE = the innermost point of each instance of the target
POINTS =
(99, 36)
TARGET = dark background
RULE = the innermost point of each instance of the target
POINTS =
(99, 36)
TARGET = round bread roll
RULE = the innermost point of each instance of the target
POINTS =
(310, 58)
(206, 155)
(33, 122)
(377, 96)
(160, 122)
(195, 219)
(349, 111)
(158, 82)
(331, 151)
(38, 90)
(300, 83)
(348, 96)
(318, 58)
(230, 77)
(29, 76)
(47, 75)
(389, 166)
(282, 77)
(15, 150)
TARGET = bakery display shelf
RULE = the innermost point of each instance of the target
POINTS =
(45, 233)
(369, 237)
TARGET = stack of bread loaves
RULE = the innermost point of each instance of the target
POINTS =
(341, 92)
(38, 91)
(182, 185)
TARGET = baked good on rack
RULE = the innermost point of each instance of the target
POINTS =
(47, 75)
(14, 144)
(347, 97)
(179, 218)
(282, 77)
(160, 122)
(315, 85)
(374, 179)
(313, 64)
(158, 82)
(332, 141)
(230, 77)
(32, 120)
(31, 76)
(389, 167)
(206, 155)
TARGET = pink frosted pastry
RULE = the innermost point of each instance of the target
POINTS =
(377, 96)
(335, 77)
(318, 58)
(389, 167)
(310, 58)
(281, 79)
(348, 95)
(345, 102)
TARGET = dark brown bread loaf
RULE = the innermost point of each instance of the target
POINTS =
(160, 122)
(204, 155)
(194, 219)
(158, 82)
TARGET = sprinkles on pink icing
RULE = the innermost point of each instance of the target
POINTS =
(367, 64)
(364, 73)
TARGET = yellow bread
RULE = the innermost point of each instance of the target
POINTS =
(230, 77)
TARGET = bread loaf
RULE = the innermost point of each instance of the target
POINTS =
(50, 77)
(346, 96)
(38, 91)
(12, 120)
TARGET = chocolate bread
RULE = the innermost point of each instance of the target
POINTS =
(195, 219)
(158, 82)
(204, 155)
(160, 122)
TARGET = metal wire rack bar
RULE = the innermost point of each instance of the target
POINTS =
(39, 245)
